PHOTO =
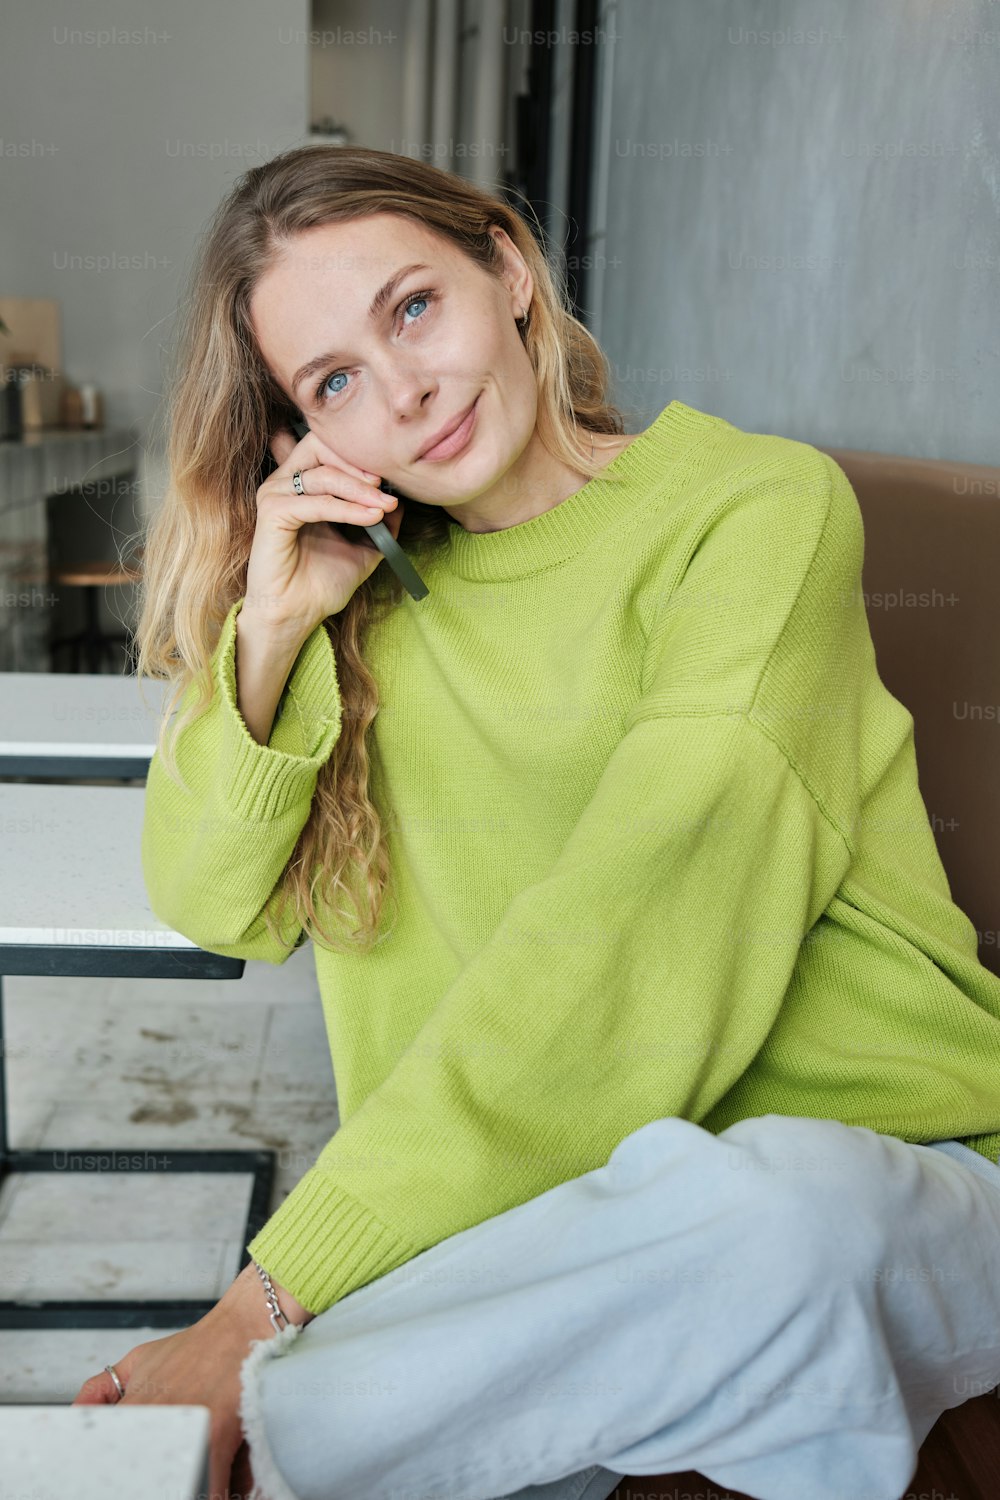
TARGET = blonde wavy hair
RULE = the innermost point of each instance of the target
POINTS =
(222, 406)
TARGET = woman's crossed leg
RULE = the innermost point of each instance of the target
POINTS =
(786, 1307)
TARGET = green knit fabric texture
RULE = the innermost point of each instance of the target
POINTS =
(658, 848)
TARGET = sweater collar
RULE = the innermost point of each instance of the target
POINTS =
(560, 533)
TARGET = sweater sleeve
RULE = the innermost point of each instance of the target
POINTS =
(213, 856)
(641, 976)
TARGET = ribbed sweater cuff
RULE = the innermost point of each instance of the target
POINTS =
(264, 781)
(320, 1243)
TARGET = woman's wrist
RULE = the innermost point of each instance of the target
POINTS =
(246, 1305)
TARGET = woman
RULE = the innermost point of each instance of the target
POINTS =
(670, 1038)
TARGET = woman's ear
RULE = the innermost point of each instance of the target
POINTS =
(516, 274)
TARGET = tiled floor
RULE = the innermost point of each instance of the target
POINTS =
(146, 1065)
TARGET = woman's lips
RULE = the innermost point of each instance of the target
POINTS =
(456, 441)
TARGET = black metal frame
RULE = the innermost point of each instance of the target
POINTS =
(161, 963)
(70, 767)
(533, 120)
(534, 139)
(581, 165)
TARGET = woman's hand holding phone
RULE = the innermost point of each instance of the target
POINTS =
(302, 569)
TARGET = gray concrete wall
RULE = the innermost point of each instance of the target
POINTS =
(799, 218)
(356, 61)
(141, 115)
(798, 209)
(122, 127)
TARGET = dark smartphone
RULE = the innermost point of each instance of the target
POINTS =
(377, 535)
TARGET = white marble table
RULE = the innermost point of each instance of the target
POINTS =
(73, 889)
(62, 724)
(105, 1452)
(72, 902)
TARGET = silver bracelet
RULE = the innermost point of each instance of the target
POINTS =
(272, 1299)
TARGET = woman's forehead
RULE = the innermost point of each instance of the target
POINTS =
(373, 244)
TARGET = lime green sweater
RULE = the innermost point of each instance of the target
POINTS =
(658, 849)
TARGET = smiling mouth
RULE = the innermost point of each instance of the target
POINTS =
(455, 441)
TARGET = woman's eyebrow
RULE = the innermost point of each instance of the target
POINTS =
(381, 297)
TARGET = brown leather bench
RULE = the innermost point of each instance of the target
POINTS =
(932, 535)
(931, 581)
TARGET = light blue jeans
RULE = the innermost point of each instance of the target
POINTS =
(786, 1307)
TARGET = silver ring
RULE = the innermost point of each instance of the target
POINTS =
(297, 482)
(114, 1376)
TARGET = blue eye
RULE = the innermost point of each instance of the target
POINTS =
(337, 375)
(324, 395)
